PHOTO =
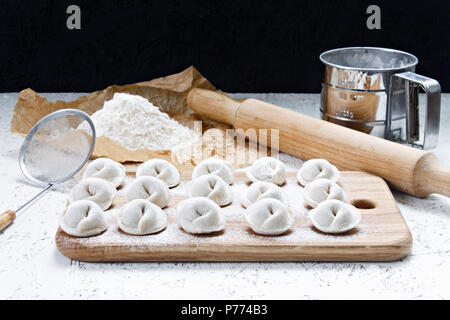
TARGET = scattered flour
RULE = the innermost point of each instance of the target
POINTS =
(135, 123)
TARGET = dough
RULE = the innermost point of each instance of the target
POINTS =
(267, 169)
(149, 188)
(317, 169)
(97, 190)
(213, 188)
(334, 216)
(262, 190)
(140, 217)
(161, 169)
(83, 218)
(106, 169)
(214, 166)
(200, 215)
(321, 190)
(269, 216)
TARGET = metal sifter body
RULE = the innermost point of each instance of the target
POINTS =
(376, 91)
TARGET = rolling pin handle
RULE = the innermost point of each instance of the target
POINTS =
(6, 218)
(431, 177)
(439, 181)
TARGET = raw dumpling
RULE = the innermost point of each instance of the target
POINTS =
(317, 169)
(83, 218)
(149, 188)
(267, 169)
(213, 188)
(97, 190)
(263, 190)
(200, 215)
(214, 166)
(269, 216)
(140, 217)
(106, 169)
(161, 169)
(334, 216)
(321, 190)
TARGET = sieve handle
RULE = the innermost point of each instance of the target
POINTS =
(6, 218)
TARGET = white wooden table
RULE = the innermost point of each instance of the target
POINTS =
(32, 267)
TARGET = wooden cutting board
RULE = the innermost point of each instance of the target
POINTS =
(382, 234)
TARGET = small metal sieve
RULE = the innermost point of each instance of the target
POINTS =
(54, 150)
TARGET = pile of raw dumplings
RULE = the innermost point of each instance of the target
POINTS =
(146, 196)
(267, 208)
(266, 212)
(209, 190)
(331, 213)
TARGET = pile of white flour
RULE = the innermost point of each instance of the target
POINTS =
(135, 123)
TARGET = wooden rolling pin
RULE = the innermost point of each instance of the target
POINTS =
(407, 169)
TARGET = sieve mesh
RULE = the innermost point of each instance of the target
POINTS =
(57, 148)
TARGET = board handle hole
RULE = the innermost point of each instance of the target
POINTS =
(363, 204)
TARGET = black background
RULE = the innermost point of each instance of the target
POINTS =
(240, 46)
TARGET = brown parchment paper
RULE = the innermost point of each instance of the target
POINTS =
(169, 94)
